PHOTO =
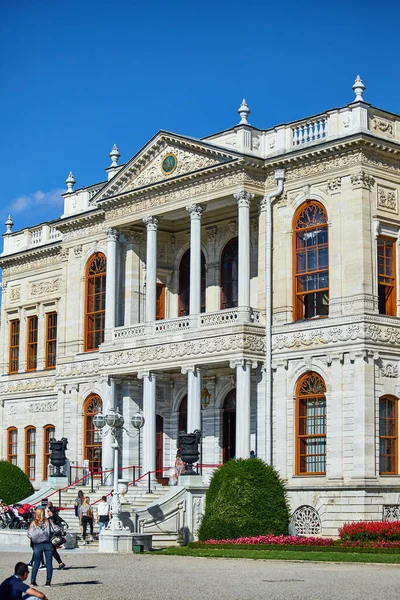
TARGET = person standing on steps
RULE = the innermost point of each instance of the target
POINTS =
(40, 533)
(103, 512)
(14, 588)
(86, 517)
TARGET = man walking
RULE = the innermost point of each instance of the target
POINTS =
(14, 587)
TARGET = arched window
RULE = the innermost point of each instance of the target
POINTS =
(30, 451)
(182, 415)
(229, 275)
(388, 435)
(12, 445)
(49, 432)
(311, 274)
(229, 426)
(92, 436)
(95, 301)
(184, 284)
(311, 425)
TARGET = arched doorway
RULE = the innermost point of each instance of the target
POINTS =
(184, 284)
(229, 427)
(159, 446)
(91, 435)
(182, 415)
(229, 274)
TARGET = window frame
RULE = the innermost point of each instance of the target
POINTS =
(32, 343)
(390, 299)
(51, 342)
(46, 448)
(15, 336)
(90, 330)
(28, 453)
(299, 297)
(12, 457)
(309, 436)
(394, 438)
(228, 282)
(88, 416)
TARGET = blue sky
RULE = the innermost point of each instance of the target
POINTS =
(78, 77)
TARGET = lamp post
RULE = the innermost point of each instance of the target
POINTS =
(115, 421)
(137, 422)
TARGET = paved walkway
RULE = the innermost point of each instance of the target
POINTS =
(93, 576)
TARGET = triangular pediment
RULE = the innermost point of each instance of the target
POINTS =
(167, 157)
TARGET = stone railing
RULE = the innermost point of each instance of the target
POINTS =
(30, 238)
(205, 320)
(310, 131)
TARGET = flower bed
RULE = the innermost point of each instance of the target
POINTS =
(368, 531)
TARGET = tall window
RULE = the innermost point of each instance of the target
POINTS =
(13, 363)
(92, 436)
(51, 340)
(49, 432)
(388, 436)
(184, 284)
(95, 305)
(31, 358)
(182, 415)
(160, 302)
(229, 275)
(387, 276)
(12, 445)
(311, 275)
(311, 425)
(30, 451)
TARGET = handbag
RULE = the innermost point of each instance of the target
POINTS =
(56, 537)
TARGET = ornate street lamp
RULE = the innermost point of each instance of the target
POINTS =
(137, 422)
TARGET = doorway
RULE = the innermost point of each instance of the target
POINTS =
(229, 427)
(160, 449)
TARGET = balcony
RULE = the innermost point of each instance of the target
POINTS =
(30, 238)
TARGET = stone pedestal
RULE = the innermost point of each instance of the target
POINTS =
(58, 482)
(190, 481)
(116, 541)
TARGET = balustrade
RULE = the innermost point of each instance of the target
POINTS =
(310, 131)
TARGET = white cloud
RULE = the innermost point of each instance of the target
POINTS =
(37, 200)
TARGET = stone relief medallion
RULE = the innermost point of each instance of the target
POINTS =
(169, 164)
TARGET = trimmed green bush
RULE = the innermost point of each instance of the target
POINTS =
(246, 498)
(14, 484)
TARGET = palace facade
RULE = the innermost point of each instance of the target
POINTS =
(244, 284)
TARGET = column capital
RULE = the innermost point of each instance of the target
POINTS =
(245, 363)
(191, 369)
(148, 373)
(151, 223)
(112, 234)
(243, 198)
(195, 210)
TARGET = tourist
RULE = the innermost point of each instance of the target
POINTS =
(86, 518)
(252, 454)
(103, 512)
(179, 467)
(40, 533)
(14, 588)
(51, 513)
(78, 502)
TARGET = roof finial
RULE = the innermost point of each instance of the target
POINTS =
(9, 223)
(114, 155)
(70, 181)
(244, 112)
(358, 88)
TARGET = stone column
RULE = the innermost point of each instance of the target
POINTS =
(194, 397)
(111, 279)
(334, 418)
(107, 452)
(243, 199)
(243, 391)
(151, 268)
(195, 211)
(149, 427)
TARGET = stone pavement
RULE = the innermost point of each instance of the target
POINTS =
(93, 576)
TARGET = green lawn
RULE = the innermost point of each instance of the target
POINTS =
(287, 554)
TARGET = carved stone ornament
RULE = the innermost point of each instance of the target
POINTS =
(151, 223)
(42, 406)
(383, 126)
(83, 232)
(334, 185)
(46, 286)
(28, 385)
(195, 210)
(362, 180)
(112, 234)
(387, 199)
(78, 251)
(12, 410)
(211, 233)
(389, 370)
(391, 512)
(306, 521)
(243, 198)
(15, 293)
(31, 264)
(86, 367)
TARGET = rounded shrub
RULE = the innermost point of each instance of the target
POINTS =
(246, 498)
(14, 484)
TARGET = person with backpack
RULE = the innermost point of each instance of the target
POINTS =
(86, 518)
(40, 532)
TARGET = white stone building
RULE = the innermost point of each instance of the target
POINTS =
(244, 284)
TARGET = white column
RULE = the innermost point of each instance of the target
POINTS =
(194, 398)
(149, 427)
(243, 392)
(243, 199)
(151, 268)
(111, 279)
(195, 211)
(107, 451)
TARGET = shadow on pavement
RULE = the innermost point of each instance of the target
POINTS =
(67, 583)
